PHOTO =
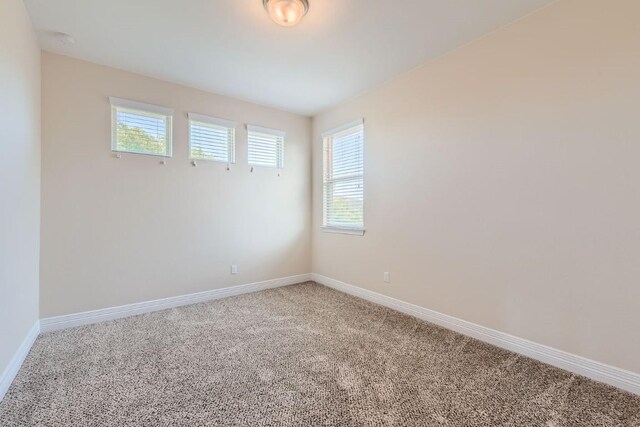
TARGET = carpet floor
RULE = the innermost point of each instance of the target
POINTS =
(302, 355)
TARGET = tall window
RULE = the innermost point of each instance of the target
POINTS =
(140, 128)
(211, 139)
(265, 146)
(344, 179)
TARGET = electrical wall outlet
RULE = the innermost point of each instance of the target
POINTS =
(386, 277)
(234, 269)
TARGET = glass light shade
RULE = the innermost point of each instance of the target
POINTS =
(286, 12)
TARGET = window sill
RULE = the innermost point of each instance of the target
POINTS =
(139, 153)
(352, 231)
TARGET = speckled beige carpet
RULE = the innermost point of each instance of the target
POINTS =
(302, 355)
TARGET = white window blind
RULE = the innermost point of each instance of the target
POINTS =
(140, 128)
(211, 139)
(343, 207)
(265, 146)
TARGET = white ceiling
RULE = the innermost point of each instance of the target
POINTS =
(231, 47)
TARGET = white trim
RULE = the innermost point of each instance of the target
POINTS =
(331, 132)
(135, 105)
(95, 316)
(345, 230)
(268, 131)
(626, 380)
(212, 120)
(14, 365)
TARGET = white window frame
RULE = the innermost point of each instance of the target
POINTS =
(119, 104)
(280, 147)
(327, 139)
(222, 123)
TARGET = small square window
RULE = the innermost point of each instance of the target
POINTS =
(211, 139)
(140, 128)
(265, 146)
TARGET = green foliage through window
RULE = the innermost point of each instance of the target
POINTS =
(141, 132)
(136, 140)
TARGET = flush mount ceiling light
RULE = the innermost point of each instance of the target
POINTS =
(286, 12)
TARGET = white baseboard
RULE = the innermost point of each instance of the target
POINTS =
(616, 377)
(111, 313)
(12, 369)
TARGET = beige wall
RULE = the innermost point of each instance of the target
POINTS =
(19, 177)
(130, 230)
(503, 183)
